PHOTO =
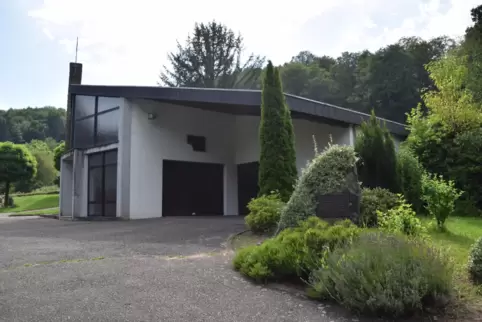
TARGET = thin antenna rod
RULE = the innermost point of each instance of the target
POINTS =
(76, 49)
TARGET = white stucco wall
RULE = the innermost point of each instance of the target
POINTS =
(230, 140)
(164, 138)
(247, 143)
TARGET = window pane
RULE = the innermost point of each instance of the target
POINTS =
(84, 105)
(95, 209)
(111, 157)
(95, 159)
(95, 185)
(84, 133)
(107, 127)
(106, 103)
(111, 183)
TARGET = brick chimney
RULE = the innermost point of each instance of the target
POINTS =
(75, 78)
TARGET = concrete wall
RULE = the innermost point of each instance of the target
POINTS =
(230, 140)
(124, 160)
(164, 138)
(247, 143)
(66, 185)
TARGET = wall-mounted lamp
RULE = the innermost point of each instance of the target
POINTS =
(151, 116)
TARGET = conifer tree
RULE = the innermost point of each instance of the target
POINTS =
(277, 163)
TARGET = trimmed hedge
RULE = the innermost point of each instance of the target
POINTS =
(331, 171)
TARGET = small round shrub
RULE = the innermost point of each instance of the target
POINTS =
(439, 196)
(475, 262)
(384, 274)
(264, 213)
(331, 171)
(409, 174)
(401, 219)
(294, 252)
(374, 200)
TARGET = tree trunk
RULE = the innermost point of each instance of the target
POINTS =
(7, 190)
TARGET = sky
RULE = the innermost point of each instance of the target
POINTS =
(126, 42)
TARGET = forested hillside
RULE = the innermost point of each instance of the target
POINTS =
(390, 81)
(27, 124)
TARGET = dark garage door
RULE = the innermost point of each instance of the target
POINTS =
(192, 187)
(247, 185)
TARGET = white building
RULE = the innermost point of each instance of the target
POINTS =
(144, 152)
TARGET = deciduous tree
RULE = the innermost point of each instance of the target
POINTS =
(16, 163)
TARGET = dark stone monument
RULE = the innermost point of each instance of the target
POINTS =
(340, 205)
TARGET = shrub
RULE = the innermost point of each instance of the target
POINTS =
(295, 251)
(439, 196)
(331, 171)
(264, 213)
(409, 174)
(374, 200)
(401, 219)
(384, 274)
(451, 152)
(465, 164)
(475, 262)
(374, 145)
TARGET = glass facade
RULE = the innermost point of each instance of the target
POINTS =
(102, 188)
(95, 121)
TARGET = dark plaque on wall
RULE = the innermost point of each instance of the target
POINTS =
(341, 205)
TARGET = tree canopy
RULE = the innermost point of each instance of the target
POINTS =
(212, 57)
(16, 163)
(27, 124)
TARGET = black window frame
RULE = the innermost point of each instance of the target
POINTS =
(74, 120)
(103, 166)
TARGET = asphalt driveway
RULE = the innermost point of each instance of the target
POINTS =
(170, 269)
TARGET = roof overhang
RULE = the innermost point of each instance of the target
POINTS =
(235, 101)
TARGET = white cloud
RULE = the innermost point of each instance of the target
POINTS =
(47, 33)
(126, 42)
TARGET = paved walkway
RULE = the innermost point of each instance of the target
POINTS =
(172, 269)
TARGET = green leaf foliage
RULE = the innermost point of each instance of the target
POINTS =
(475, 262)
(16, 163)
(331, 171)
(46, 172)
(374, 200)
(383, 274)
(26, 124)
(58, 153)
(375, 148)
(401, 219)
(409, 174)
(440, 196)
(212, 57)
(295, 251)
(264, 213)
(277, 163)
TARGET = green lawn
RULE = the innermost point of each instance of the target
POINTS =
(26, 203)
(49, 211)
(457, 239)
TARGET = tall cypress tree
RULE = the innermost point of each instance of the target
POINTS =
(277, 162)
